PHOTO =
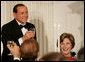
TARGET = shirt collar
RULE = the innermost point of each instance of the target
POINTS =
(20, 23)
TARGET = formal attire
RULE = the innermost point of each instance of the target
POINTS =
(12, 31)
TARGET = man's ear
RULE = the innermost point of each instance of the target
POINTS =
(14, 14)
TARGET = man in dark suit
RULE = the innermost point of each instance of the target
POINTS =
(17, 30)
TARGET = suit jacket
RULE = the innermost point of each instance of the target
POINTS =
(12, 31)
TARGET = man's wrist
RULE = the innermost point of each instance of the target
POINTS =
(20, 40)
(23, 38)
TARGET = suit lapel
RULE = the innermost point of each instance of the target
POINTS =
(17, 28)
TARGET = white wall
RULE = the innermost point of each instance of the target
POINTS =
(51, 19)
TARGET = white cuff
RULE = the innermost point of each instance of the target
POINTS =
(16, 58)
(20, 41)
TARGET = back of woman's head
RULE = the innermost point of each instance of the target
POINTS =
(80, 54)
(53, 56)
(29, 50)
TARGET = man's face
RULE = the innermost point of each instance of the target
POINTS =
(22, 14)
